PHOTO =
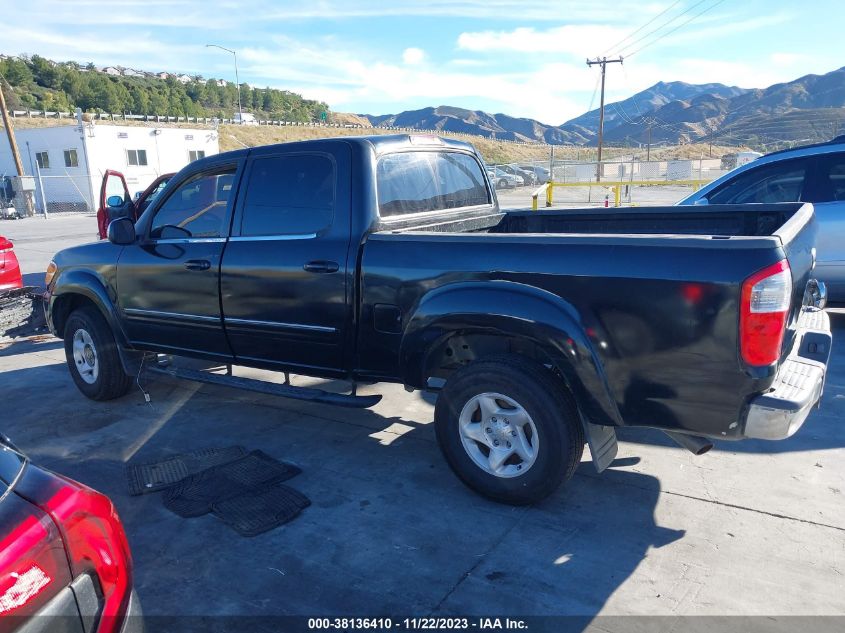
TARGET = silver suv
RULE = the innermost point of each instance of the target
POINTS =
(813, 173)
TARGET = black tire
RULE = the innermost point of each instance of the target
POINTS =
(551, 409)
(110, 381)
(503, 184)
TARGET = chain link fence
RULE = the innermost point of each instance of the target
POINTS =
(634, 177)
(80, 193)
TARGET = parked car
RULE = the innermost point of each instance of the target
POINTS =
(502, 179)
(536, 329)
(115, 201)
(814, 173)
(65, 563)
(541, 174)
(10, 269)
(526, 178)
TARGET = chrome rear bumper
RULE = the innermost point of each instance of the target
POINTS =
(780, 412)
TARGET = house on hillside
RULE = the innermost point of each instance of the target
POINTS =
(222, 83)
(70, 163)
(185, 79)
(111, 70)
(131, 72)
(162, 75)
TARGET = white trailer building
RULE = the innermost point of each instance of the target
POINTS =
(69, 161)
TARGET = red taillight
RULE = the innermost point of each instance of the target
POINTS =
(763, 312)
(96, 544)
(33, 566)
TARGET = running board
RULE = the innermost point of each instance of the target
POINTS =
(269, 388)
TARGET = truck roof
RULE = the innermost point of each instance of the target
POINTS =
(381, 143)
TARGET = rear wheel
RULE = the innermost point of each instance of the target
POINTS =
(502, 184)
(92, 356)
(509, 429)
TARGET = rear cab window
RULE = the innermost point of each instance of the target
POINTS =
(424, 181)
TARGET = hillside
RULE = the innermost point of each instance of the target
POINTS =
(41, 84)
(494, 152)
(811, 108)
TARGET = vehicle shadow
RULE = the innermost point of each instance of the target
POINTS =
(374, 540)
(29, 344)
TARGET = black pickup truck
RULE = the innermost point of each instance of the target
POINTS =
(388, 259)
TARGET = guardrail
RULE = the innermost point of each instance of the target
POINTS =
(161, 118)
(615, 185)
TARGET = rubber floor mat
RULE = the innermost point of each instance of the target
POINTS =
(155, 476)
(257, 512)
(194, 496)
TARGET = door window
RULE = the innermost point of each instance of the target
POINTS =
(289, 195)
(197, 208)
(115, 187)
(777, 182)
(829, 185)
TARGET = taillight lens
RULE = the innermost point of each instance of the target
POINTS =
(33, 566)
(96, 544)
(766, 297)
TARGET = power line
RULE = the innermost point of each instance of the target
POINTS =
(683, 24)
(664, 25)
(633, 33)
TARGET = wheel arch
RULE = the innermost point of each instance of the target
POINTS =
(77, 289)
(459, 323)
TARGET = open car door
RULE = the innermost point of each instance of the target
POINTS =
(115, 201)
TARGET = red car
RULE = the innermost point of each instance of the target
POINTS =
(115, 201)
(65, 563)
(10, 270)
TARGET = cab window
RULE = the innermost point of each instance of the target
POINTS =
(197, 208)
(777, 182)
(829, 181)
(414, 182)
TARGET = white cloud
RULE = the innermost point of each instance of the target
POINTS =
(413, 56)
(583, 39)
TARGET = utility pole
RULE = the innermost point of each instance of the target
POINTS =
(648, 148)
(603, 62)
(13, 144)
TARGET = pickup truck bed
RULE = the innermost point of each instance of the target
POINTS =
(388, 259)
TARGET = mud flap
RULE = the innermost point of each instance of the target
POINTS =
(603, 446)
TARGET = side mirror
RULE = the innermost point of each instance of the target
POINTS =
(121, 232)
(114, 201)
(702, 202)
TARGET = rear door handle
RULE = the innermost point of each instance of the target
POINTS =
(197, 264)
(321, 266)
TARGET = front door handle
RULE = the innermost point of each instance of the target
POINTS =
(197, 264)
(321, 266)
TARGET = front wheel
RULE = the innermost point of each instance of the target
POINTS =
(92, 356)
(509, 429)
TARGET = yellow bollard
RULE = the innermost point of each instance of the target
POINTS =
(549, 188)
(617, 195)
(534, 201)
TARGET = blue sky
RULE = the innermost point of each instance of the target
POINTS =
(520, 57)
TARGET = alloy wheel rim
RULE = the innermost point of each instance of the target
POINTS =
(85, 356)
(499, 435)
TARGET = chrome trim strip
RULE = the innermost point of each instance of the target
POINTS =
(280, 325)
(170, 315)
(190, 240)
(272, 238)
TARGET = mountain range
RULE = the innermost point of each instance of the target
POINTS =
(810, 108)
